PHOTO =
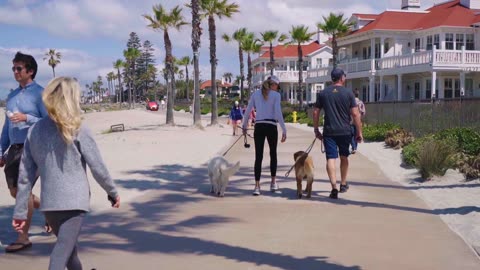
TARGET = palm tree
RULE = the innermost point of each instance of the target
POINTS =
(162, 20)
(270, 36)
(118, 65)
(53, 59)
(185, 61)
(110, 76)
(238, 36)
(250, 45)
(131, 54)
(336, 26)
(228, 76)
(210, 9)
(299, 34)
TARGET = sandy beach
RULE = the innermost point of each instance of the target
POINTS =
(149, 155)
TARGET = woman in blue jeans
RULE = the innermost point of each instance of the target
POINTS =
(59, 147)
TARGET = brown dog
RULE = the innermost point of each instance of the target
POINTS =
(303, 170)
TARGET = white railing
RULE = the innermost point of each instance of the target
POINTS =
(357, 66)
(283, 76)
(413, 59)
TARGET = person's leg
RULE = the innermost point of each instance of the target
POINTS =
(343, 169)
(234, 126)
(66, 226)
(272, 139)
(343, 145)
(354, 139)
(331, 154)
(259, 138)
(332, 175)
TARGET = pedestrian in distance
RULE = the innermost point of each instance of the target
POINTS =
(59, 147)
(24, 107)
(362, 110)
(340, 108)
(266, 102)
(235, 117)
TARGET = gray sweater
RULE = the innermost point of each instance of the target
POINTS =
(62, 169)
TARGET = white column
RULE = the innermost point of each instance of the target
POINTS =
(372, 48)
(441, 87)
(434, 84)
(371, 84)
(382, 46)
(292, 96)
(462, 84)
(399, 87)
(382, 88)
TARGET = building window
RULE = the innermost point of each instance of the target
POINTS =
(429, 43)
(428, 90)
(449, 41)
(436, 41)
(448, 88)
(457, 88)
(292, 65)
(470, 45)
(365, 93)
(377, 50)
(469, 87)
(319, 63)
(417, 44)
(417, 90)
(459, 42)
(386, 48)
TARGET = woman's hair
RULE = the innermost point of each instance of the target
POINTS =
(62, 100)
(265, 89)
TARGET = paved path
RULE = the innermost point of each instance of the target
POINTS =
(377, 224)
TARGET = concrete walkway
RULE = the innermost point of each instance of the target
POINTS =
(377, 224)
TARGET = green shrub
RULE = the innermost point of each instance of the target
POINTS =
(410, 151)
(466, 140)
(377, 133)
(434, 158)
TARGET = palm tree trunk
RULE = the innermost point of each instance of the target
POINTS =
(186, 83)
(196, 32)
(213, 63)
(53, 69)
(272, 60)
(300, 73)
(120, 88)
(240, 56)
(334, 51)
(171, 76)
(249, 75)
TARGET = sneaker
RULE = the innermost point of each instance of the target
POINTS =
(344, 188)
(274, 187)
(354, 151)
(334, 194)
(256, 191)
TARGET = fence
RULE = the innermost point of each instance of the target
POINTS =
(424, 117)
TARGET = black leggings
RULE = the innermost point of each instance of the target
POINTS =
(269, 131)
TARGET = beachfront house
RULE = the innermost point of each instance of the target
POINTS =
(316, 54)
(411, 54)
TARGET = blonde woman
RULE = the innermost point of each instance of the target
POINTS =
(59, 147)
(268, 113)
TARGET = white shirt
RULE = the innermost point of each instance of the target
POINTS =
(266, 110)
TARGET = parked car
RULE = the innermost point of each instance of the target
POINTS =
(152, 106)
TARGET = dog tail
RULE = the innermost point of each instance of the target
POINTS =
(232, 170)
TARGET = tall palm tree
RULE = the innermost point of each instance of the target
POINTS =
(228, 76)
(185, 61)
(162, 20)
(250, 45)
(336, 26)
(238, 36)
(269, 37)
(210, 9)
(110, 76)
(196, 34)
(131, 54)
(53, 59)
(298, 35)
(118, 65)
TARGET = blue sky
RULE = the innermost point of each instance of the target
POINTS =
(91, 34)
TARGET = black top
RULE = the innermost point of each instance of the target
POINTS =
(336, 101)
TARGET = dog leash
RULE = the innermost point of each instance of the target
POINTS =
(245, 142)
(309, 148)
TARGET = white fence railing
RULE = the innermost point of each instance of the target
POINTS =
(283, 76)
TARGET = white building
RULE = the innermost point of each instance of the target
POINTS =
(315, 54)
(397, 54)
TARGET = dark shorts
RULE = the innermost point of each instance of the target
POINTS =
(12, 164)
(337, 144)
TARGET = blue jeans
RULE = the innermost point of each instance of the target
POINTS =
(354, 139)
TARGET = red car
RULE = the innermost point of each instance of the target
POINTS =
(152, 106)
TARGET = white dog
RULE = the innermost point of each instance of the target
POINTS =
(219, 171)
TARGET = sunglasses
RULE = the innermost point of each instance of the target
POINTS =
(17, 69)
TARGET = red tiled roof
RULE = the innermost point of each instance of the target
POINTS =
(282, 51)
(451, 13)
(365, 16)
(208, 83)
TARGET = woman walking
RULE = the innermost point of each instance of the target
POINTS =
(268, 113)
(59, 147)
(235, 116)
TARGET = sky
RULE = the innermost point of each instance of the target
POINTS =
(92, 34)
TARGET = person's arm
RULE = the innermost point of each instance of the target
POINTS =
(4, 138)
(279, 117)
(251, 104)
(90, 152)
(26, 181)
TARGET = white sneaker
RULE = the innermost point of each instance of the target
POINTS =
(274, 187)
(256, 191)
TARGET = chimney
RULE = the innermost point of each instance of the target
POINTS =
(471, 4)
(410, 4)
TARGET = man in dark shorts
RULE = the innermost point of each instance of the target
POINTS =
(23, 109)
(340, 108)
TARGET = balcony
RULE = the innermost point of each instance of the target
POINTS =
(416, 62)
(285, 76)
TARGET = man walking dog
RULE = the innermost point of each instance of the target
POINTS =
(340, 108)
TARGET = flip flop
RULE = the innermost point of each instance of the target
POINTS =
(22, 246)
(47, 227)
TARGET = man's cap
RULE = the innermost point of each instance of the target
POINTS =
(274, 79)
(236, 103)
(337, 74)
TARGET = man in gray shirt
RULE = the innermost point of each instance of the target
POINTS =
(340, 107)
